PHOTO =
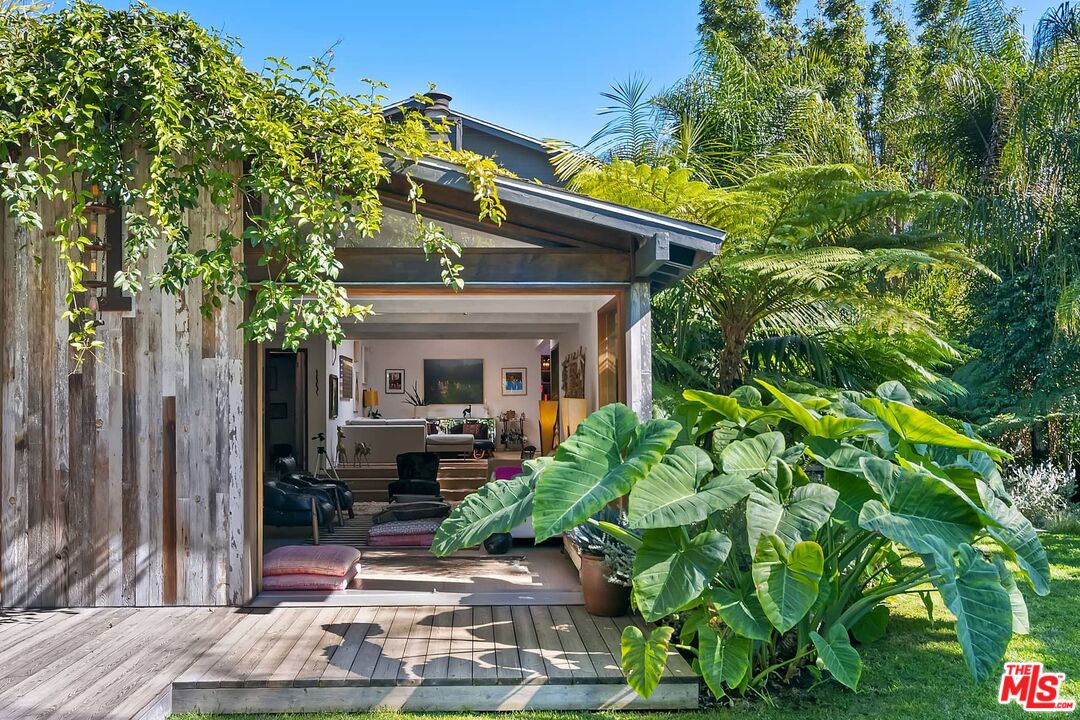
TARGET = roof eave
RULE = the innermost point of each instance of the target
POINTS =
(642, 223)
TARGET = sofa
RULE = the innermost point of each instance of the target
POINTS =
(386, 437)
(450, 445)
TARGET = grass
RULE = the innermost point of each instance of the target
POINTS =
(915, 673)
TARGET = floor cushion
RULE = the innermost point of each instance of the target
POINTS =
(507, 472)
(412, 511)
(331, 560)
(426, 526)
(307, 581)
(401, 540)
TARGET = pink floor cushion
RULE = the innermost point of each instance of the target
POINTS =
(331, 560)
(401, 540)
(424, 526)
(306, 581)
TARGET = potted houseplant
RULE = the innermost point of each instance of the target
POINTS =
(415, 399)
(606, 570)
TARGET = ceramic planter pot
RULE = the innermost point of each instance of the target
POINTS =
(499, 544)
(602, 597)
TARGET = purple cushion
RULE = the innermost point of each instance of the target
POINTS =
(332, 560)
(507, 472)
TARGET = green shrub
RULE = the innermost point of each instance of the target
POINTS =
(768, 534)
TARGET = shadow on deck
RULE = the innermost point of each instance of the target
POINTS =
(143, 663)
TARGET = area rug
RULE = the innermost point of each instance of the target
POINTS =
(389, 570)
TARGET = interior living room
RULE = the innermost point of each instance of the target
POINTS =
(430, 397)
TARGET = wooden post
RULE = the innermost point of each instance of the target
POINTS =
(639, 350)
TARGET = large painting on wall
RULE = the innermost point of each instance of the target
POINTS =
(453, 382)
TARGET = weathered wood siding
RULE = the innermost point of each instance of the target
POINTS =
(122, 483)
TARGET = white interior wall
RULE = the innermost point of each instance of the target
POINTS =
(373, 356)
(584, 337)
(323, 362)
(409, 355)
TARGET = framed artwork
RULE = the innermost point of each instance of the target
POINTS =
(395, 382)
(454, 382)
(332, 386)
(515, 381)
(345, 370)
(278, 410)
(573, 374)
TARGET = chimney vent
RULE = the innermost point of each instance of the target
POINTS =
(440, 105)
(439, 109)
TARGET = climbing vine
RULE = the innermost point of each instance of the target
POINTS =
(159, 112)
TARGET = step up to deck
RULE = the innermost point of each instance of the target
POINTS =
(422, 658)
(457, 478)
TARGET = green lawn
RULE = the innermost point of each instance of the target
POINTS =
(915, 673)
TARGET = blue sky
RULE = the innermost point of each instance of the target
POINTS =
(535, 67)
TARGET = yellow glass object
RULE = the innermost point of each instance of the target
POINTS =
(549, 410)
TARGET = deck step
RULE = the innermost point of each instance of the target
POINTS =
(437, 659)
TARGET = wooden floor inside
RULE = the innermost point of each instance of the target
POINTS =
(145, 663)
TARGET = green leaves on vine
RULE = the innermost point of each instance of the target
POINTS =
(163, 116)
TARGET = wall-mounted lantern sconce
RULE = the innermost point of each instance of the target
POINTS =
(104, 255)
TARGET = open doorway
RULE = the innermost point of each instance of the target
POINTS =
(457, 377)
(285, 402)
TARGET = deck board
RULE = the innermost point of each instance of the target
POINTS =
(145, 663)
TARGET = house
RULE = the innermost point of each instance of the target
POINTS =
(136, 479)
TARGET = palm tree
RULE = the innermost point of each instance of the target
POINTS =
(808, 260)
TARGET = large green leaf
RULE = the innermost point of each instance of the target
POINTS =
(1020, 623)
(786, 584)
(668, 496)
(752, 456)
(1018, 538)
(498, 506)
(919, 507)
(721, 404)
(916, 426)
(692, 460)
(590, 470)
(742, 613)
(807, 509)
(725, 406)
(670, 571)
(837, 455)
(838, 657)
(895, 391)
(644, 659)
(852, 493)
(971, 588)
(723, 659)
(823, 426)
(871, 626)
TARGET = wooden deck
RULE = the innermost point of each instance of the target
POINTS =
(144, 663)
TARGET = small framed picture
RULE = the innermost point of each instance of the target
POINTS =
(514, 381)
(395, 382)
(332, 393)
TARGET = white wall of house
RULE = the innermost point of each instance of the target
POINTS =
(584, 337)
(409, 355)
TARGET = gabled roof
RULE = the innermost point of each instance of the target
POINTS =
(665, 249)
(470, 121)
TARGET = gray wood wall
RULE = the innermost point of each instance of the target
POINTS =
(123, 483)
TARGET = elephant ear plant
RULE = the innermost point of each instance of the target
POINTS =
(770, 533)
